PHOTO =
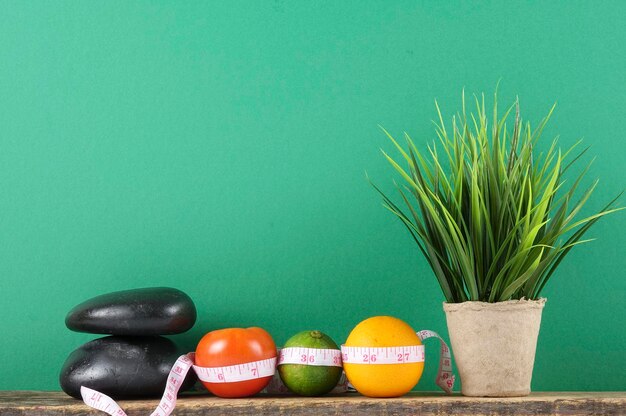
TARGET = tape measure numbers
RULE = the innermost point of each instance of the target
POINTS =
(445, 378)
(166, 406)
(310, 356)
(240, 372)
(382, 355)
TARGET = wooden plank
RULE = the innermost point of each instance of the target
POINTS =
(31, 403)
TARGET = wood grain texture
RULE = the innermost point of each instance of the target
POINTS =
(31, 403)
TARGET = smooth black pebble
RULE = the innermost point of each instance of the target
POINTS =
(122, 367)
(149, 311)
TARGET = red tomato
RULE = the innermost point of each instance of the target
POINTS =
(233, 346)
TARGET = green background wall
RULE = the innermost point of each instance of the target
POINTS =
(221, 148)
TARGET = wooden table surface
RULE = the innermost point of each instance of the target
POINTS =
(30, 403)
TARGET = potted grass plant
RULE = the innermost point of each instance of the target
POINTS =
(494, 216)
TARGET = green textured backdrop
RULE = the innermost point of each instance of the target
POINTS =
(221, 148)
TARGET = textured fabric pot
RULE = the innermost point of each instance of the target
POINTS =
(494, 345)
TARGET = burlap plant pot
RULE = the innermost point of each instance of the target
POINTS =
(494, 345)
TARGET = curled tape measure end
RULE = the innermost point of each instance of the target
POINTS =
(100, 401)
(445, 378)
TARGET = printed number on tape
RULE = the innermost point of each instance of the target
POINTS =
(233, 373)
(382, 355)
(309, 356)
(175, 379)
(445, 378)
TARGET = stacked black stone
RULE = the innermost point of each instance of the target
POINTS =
(135, 361)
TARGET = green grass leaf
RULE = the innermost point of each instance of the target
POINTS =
(493, 217)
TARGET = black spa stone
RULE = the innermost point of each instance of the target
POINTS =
(149, 311)
(122, 367)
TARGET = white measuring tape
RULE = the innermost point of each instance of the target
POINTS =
(383, 355)
(166, 406)
(240, 372)
(309, 356)
(445, 378)
(267, 368)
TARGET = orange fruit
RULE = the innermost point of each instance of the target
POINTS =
(383, 380)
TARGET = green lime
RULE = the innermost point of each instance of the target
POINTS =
(310, 380)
